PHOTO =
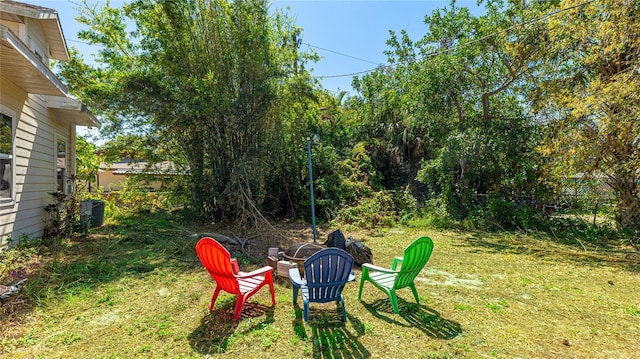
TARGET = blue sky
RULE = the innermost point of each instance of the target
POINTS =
(350, 36)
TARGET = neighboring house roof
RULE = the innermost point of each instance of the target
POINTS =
(20, 65)
(133, 167)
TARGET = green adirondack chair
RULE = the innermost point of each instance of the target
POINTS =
(415, 258)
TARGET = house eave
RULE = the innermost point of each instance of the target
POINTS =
(21, 66)
(72, 110)
(49, 20)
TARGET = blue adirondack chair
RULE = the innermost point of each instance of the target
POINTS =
(325, 274)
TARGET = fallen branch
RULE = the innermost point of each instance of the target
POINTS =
(235, 241)
(222, 238)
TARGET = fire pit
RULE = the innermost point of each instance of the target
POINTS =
(298, 252)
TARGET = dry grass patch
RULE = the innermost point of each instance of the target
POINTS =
(135, 289)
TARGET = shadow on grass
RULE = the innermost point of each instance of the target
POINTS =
(576, 250)
(92, 263)
(135, 248)
(213, 334)
(415, 315)
(329, 334)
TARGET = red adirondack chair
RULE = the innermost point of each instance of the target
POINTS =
(225, 272)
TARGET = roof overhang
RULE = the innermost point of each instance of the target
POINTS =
(72, 110)
(20, 66)
(48, 19)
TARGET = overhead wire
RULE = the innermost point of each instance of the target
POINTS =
(339, 53)
(78, 41)
(455, 47)
(432, 54)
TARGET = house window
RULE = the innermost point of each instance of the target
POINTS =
(6, 157)
(61, 166)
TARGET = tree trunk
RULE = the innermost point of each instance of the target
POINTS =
(628, 211)
(197, 174)
(485, 108)
(628, 208)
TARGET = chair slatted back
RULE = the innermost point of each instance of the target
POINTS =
(326, 273)
(217, 260)
(416, 256)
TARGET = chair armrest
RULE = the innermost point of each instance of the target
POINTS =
(294, 276)
(352, 277)
(397, 260)
(254, 273)
(234, 266)
(377, 269)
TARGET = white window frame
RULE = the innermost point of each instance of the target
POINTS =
(12, 156)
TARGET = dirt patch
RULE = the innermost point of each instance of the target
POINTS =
(440, 277)
(106, 319)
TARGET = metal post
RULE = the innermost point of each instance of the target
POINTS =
(313, 207)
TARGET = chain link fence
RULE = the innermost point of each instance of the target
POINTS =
(589, 198)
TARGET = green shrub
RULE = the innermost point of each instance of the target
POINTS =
(506, 215)
(17, 262)
(431, 215)
(376, 211)
(134, 196)
(502, 213)
(63, 218)
(380, 209)
(570, 227)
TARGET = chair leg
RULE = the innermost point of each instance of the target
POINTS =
(295, 294)
(362, 279)
(273, 295)
(344, 310)
(415, 292)
(394, 301)
(213, 299)
(306, 311)
(239, 304)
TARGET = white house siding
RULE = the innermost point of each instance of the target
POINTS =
(31, 33)
(35, 164)
(35, 39)
(29, 41)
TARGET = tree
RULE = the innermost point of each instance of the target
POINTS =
(200, 79)
(591, 96)
(87, 162)
(454, 101)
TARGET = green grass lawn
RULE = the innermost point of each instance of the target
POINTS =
(135, 289)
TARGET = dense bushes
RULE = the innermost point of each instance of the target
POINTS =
(453, 135)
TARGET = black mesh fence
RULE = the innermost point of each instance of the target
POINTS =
(592, 200)
(587, 197)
